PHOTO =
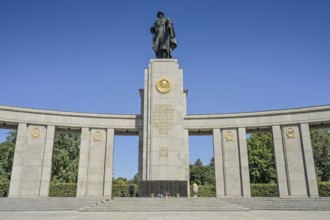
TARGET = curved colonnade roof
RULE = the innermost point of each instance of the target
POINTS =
(11, 116)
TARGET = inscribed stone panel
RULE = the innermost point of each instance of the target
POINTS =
(163, 118)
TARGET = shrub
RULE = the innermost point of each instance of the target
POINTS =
(324, 189)
(204, 191)
(62, 190)
(257, 190)
(264, 190)
(4, 189)
(271, 190)
(116, 190)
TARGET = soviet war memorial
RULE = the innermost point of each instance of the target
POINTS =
(262, 66)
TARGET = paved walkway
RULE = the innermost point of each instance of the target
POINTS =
(252, 215)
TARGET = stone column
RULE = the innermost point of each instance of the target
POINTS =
(309, 161)
(218, 164)
(231, 163)
(186, 156)
(140, 158)
(244, 163)
(295, 161)
(95, 163)
(280, 159)
(32, 161)
(109, 163)
(141, 161)
(83, 163)
(47, 162)
(18, 163)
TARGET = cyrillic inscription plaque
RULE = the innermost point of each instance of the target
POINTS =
(163, 118)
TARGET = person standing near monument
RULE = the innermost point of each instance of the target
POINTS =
(163, 36)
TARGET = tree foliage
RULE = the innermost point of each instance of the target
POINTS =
(321, 149)
(135, 179)
(7, 150)
(65, 159)
(122, 181)
(261, 158)
(202, 174)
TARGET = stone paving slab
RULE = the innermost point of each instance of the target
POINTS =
(255, 215)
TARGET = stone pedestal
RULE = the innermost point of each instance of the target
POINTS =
(165, 159)
(152, 188)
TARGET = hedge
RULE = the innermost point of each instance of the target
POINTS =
(324, 189)
(261, 190)
(117, 189)
(70, 189)
(204, 191)
(270, 190)
(264, 190)
(4, 189)
(257, 190)
(63, 190)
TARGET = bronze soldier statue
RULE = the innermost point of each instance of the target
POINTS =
(163, 36)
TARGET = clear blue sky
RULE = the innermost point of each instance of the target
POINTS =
(237, 56)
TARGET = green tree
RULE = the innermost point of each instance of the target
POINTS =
(261, 158)
(321, 149)
(201, 174)
(7, 150)
(120, 181)
(211, 164)
(65, 157)
(134, 180)
(198, 162)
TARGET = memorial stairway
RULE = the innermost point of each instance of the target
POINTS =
(306, 204)
(162, 204)
(45, 204)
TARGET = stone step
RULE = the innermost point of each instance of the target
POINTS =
(283, 204)
(45, 204)
(162, 204)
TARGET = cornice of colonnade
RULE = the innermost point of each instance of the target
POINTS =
(315, 114)
(14, 115)
(312, 115)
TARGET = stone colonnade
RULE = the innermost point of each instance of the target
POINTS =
(36, 128)
(32, 163)
(290, 129)
(294, 162)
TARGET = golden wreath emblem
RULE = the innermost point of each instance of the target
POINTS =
(290, 133)
(229, 136)
(35, 133)
(163, 85)
(97, 136)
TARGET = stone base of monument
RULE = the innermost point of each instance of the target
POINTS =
(158, 188)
